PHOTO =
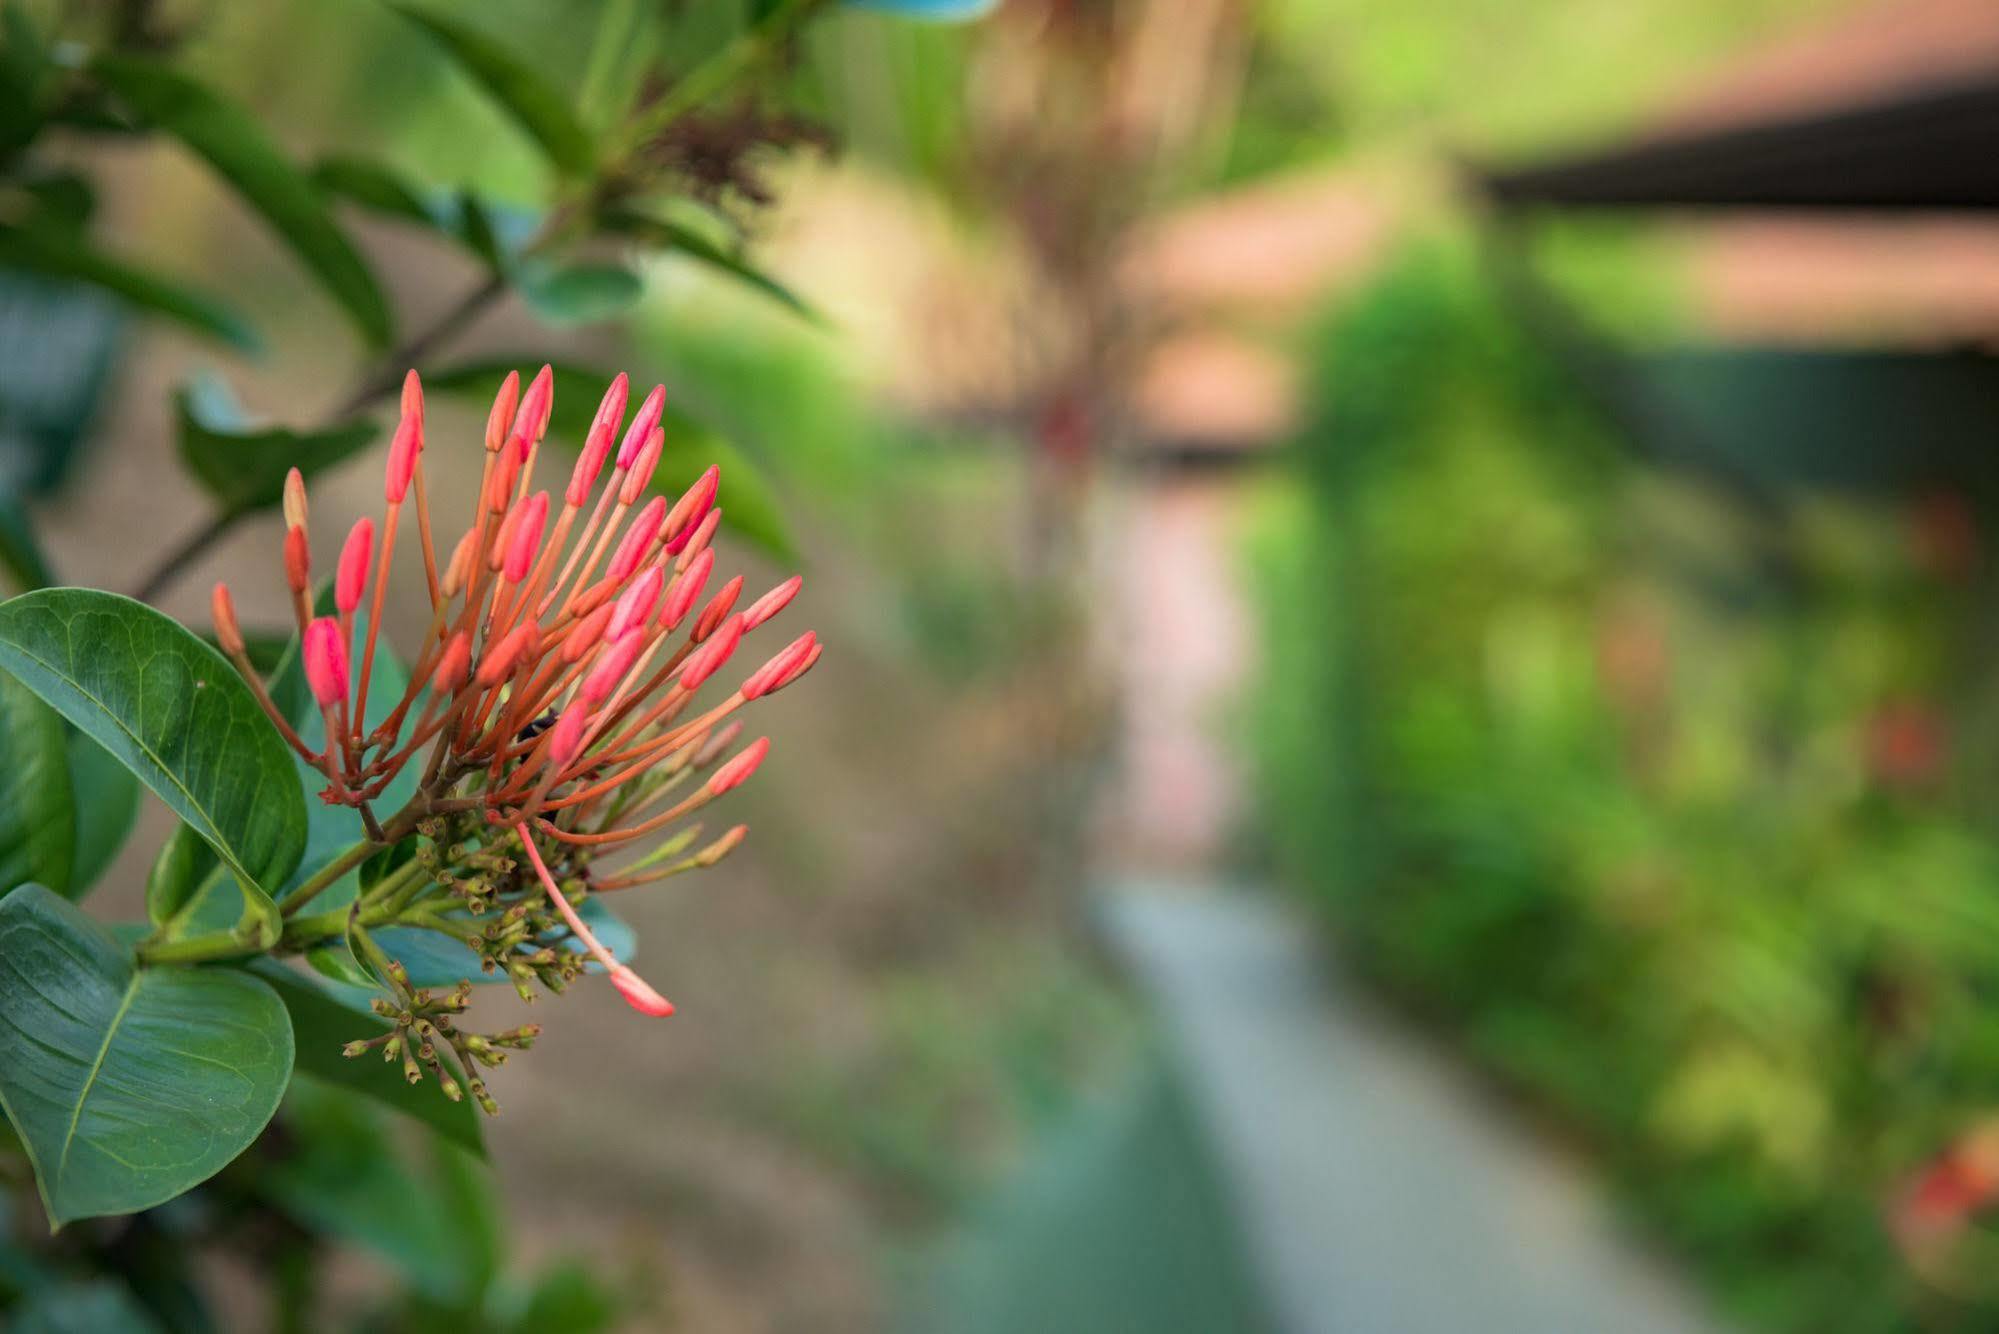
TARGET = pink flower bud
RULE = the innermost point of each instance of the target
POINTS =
(294, 499)
(637, 603)
(640, 477)
(525, 540)
(402, 459)
(712, 748)
(350, 578)
(531, 422)
(703, 662)
(227, 632)
(412, 404)
(611, 407)
(453, 666)
(503, 536)
(692, 507)
(458, 570)
(737, 771)
(632, 547)
(583, 636)
(639, 994)
(502, 414)
(798, 671)
(589, 463)
(642, 426)
(298, 560)
(499, 660)
(772, 675)
(686, 588)
(325, 662)
(773, 602)
(506, 472)
(697, 540)
(718, 607)
(565, 739)
(611, 668)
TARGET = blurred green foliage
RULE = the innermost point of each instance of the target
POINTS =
(1685, 852)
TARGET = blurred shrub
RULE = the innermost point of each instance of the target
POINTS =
(1673, 844)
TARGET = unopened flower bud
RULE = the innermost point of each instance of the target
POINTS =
(686, 587)
(773, 602)
(698, 540)
(722, 846)
(502, 415)
(403, 448)
(640, 476)
(738, 770)
(499, 660)
(325, 662)
(223, 608)
(632, 547)
(458, 571)
(525, 540)
(718, 606)
(565, 739)
(350, 577)
(712, 748)
(703, 662)
(583, 636)
(635, 605)
(642, 427)
(639, 994)
(531, 423)
(298, 560)
(773, 674)
(610, 669)
(693, 504)
(453, 664)
(294, 503)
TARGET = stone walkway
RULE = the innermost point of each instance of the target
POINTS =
(1378, 1190)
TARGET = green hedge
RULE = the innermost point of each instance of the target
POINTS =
(1655, 835)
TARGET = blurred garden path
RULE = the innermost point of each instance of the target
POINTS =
(1378, 1191)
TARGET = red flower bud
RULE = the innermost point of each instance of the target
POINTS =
(589, 463)
(298, 560)
(611, 407)
(737, 771)
(525, 539)
(223, 608)
(638, 993)
(642, 426)
(412, 405)
(531, 422)
(703, 662)
(453, 666)
(565, 739)
(632, 547)
(692, 507)
(402, 459)
(719, 606)
(583, 636)
(772, 676)
(773, 602)
(640, 477)
(350, 578)
(611, 668)
(637, 603)
(686, 587)
(325, 662)
(499, 659)
(502, 414)
(695, 542)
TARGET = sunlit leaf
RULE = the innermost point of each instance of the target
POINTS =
(236, 146)
(127, 1086)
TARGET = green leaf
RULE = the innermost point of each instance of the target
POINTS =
(244, 467)
(460, 215)
(519, 89)
(20, 554)
(749, 506)
(681, 239)
(322, 1024)
(173, 711)
(93, 1306)
(569, 1299)
(52, 253)
(37, 810)
(128, 1086)
(232, 142)
(578, 293)
(107, 806)
(183, 865)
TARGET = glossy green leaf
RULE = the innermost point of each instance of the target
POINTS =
(182, 866)
(172, 710)
(37, 810)
(579, 293)
(236, 146)
(681, 239)
(242, 466)
(57, 255)
(325, 1018)
(128, 1086)
(107, 806)
(517, 86)
(749, 506)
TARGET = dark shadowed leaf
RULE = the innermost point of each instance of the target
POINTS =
(489, 231)
(520, 90)
(173, 711)
(107, 806)
(128, 1086)
(322, 1024)
(95, 1306)
(61, 256)
(20, 554)
(749, 506)
(182, 866)
(233, 143)
(243, 466)
(680, 239)
(37, 811)
(578, 293)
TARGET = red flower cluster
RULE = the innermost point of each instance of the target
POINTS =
(554, 696)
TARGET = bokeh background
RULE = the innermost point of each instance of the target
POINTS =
(1408, 738)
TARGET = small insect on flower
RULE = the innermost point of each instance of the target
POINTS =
(553, 714)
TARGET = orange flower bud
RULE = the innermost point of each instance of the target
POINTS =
(227, 632)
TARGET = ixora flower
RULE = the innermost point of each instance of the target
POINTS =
(552, 715)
